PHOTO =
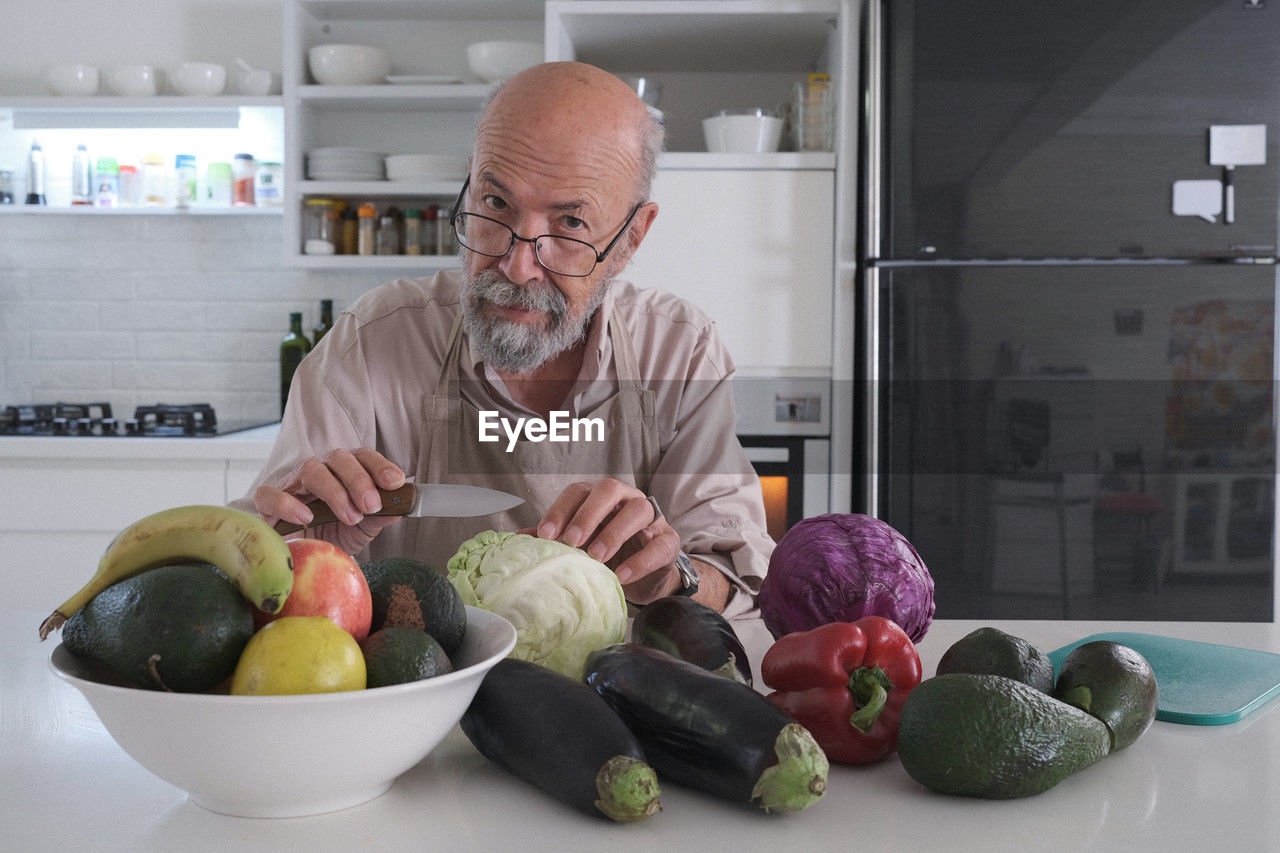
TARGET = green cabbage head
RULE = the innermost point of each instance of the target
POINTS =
(563, 604)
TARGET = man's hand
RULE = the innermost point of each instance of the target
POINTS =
(344, 480)
(615, 524)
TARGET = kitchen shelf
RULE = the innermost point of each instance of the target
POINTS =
(380, 188)
(429, 263)
(416, 10)
(461, 97)
(784, 160)
(86, 210)
(105, 111)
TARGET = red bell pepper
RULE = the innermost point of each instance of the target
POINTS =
(845, 682)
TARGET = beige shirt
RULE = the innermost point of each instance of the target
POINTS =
(364, 386)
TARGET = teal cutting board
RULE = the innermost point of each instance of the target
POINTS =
(1201, 684)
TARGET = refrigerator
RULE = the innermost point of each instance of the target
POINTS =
(1067, 268)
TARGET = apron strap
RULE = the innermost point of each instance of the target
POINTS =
(624, 354)
(447, 381)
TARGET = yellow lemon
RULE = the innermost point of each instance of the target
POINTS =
(299, 654)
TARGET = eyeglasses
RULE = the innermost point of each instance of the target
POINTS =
(556, 254)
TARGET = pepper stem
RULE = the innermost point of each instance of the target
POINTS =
(870, 687)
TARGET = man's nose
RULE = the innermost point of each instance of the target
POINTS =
(520, 264)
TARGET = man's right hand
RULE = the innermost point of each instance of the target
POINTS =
(347, 481)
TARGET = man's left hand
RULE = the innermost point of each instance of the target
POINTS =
(614, 523)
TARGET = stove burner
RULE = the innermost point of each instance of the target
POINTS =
(96, 419)
(186, 419)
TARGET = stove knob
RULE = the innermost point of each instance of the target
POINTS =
(110, 427)
(84, 426)
(59, 426)
(131, 427)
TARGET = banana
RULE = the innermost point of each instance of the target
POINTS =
(242, 545)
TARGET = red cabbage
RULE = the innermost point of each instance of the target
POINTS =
(841, 567)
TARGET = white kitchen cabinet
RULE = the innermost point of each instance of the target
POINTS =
(423, 39)
(753, 249)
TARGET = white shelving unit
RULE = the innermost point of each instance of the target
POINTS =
(422, 38)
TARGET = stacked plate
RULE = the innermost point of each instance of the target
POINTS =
(411, 167)
(345, 164)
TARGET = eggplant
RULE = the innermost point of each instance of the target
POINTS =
(707, 732)
(682, 627)
(558, 735)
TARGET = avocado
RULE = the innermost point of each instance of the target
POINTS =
(1113, 683)
(410, 593)
(396, 655)
(993, 737)
(179, 628)
(990, 651)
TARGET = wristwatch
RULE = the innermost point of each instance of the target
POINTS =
(688, 574)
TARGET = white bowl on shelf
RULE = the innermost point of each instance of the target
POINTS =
(198, 78)
(71, 79)
(131, 80)
(348, 64)
(288, 756)
(742, 131)
(495, 61)
(407, 167)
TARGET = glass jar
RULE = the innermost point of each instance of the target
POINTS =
(367, 230)
(268, 185)
(321, 234)
(388, 240)
(413, 232)
(154, 181)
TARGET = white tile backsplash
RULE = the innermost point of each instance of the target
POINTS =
(143, 309)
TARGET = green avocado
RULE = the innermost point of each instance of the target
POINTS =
(1113, 683)
(990, 651)
(993, 737)
(397, 655)
(179, 628)
(409, 593)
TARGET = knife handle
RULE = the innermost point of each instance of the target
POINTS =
(394, 502)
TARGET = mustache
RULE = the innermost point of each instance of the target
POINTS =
(493, 287)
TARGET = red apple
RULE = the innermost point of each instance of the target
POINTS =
(327, 581)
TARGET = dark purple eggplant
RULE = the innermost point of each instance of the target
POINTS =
(558, 735)
(704, 731)
(682, 627)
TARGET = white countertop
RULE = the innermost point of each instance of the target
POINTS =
(250, 444)
(66, 786)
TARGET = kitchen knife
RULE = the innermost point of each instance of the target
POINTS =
(419, 500)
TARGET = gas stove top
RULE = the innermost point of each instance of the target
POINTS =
(194, 420)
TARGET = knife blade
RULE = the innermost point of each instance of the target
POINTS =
(420, 500)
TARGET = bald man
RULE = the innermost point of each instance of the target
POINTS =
(536, 370)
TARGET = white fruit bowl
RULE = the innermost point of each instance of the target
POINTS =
(198, 78)
(348, 64)
(288, 756)
(495, 61)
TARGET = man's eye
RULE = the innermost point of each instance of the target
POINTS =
(573, 223)
(493, 202)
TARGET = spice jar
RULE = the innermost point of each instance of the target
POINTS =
(366, 232)
(429, 230)
(388, 236)
(244, 169)
(413, 232)
(349, 225)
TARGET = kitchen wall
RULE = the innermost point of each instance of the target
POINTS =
(140, 309)
(145, 309)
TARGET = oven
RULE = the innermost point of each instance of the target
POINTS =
(784, 428)
(96, 420)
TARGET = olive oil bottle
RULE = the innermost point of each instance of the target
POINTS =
(292, 349)
(326, 322)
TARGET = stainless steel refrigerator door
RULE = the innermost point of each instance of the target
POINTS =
(1059, 129)
(1087, 441)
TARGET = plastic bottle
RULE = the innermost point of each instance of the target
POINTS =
(413, 232)
(366, 238)
(267, 187)
(219, 184)
(244, 170)
(81, 177)
(185, 169)
(107, 182)
(292, 349)
(326, 321)
(130, 184)
(35, 174)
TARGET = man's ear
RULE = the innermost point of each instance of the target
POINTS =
(640, 225)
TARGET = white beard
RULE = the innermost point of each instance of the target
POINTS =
(513, 347)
